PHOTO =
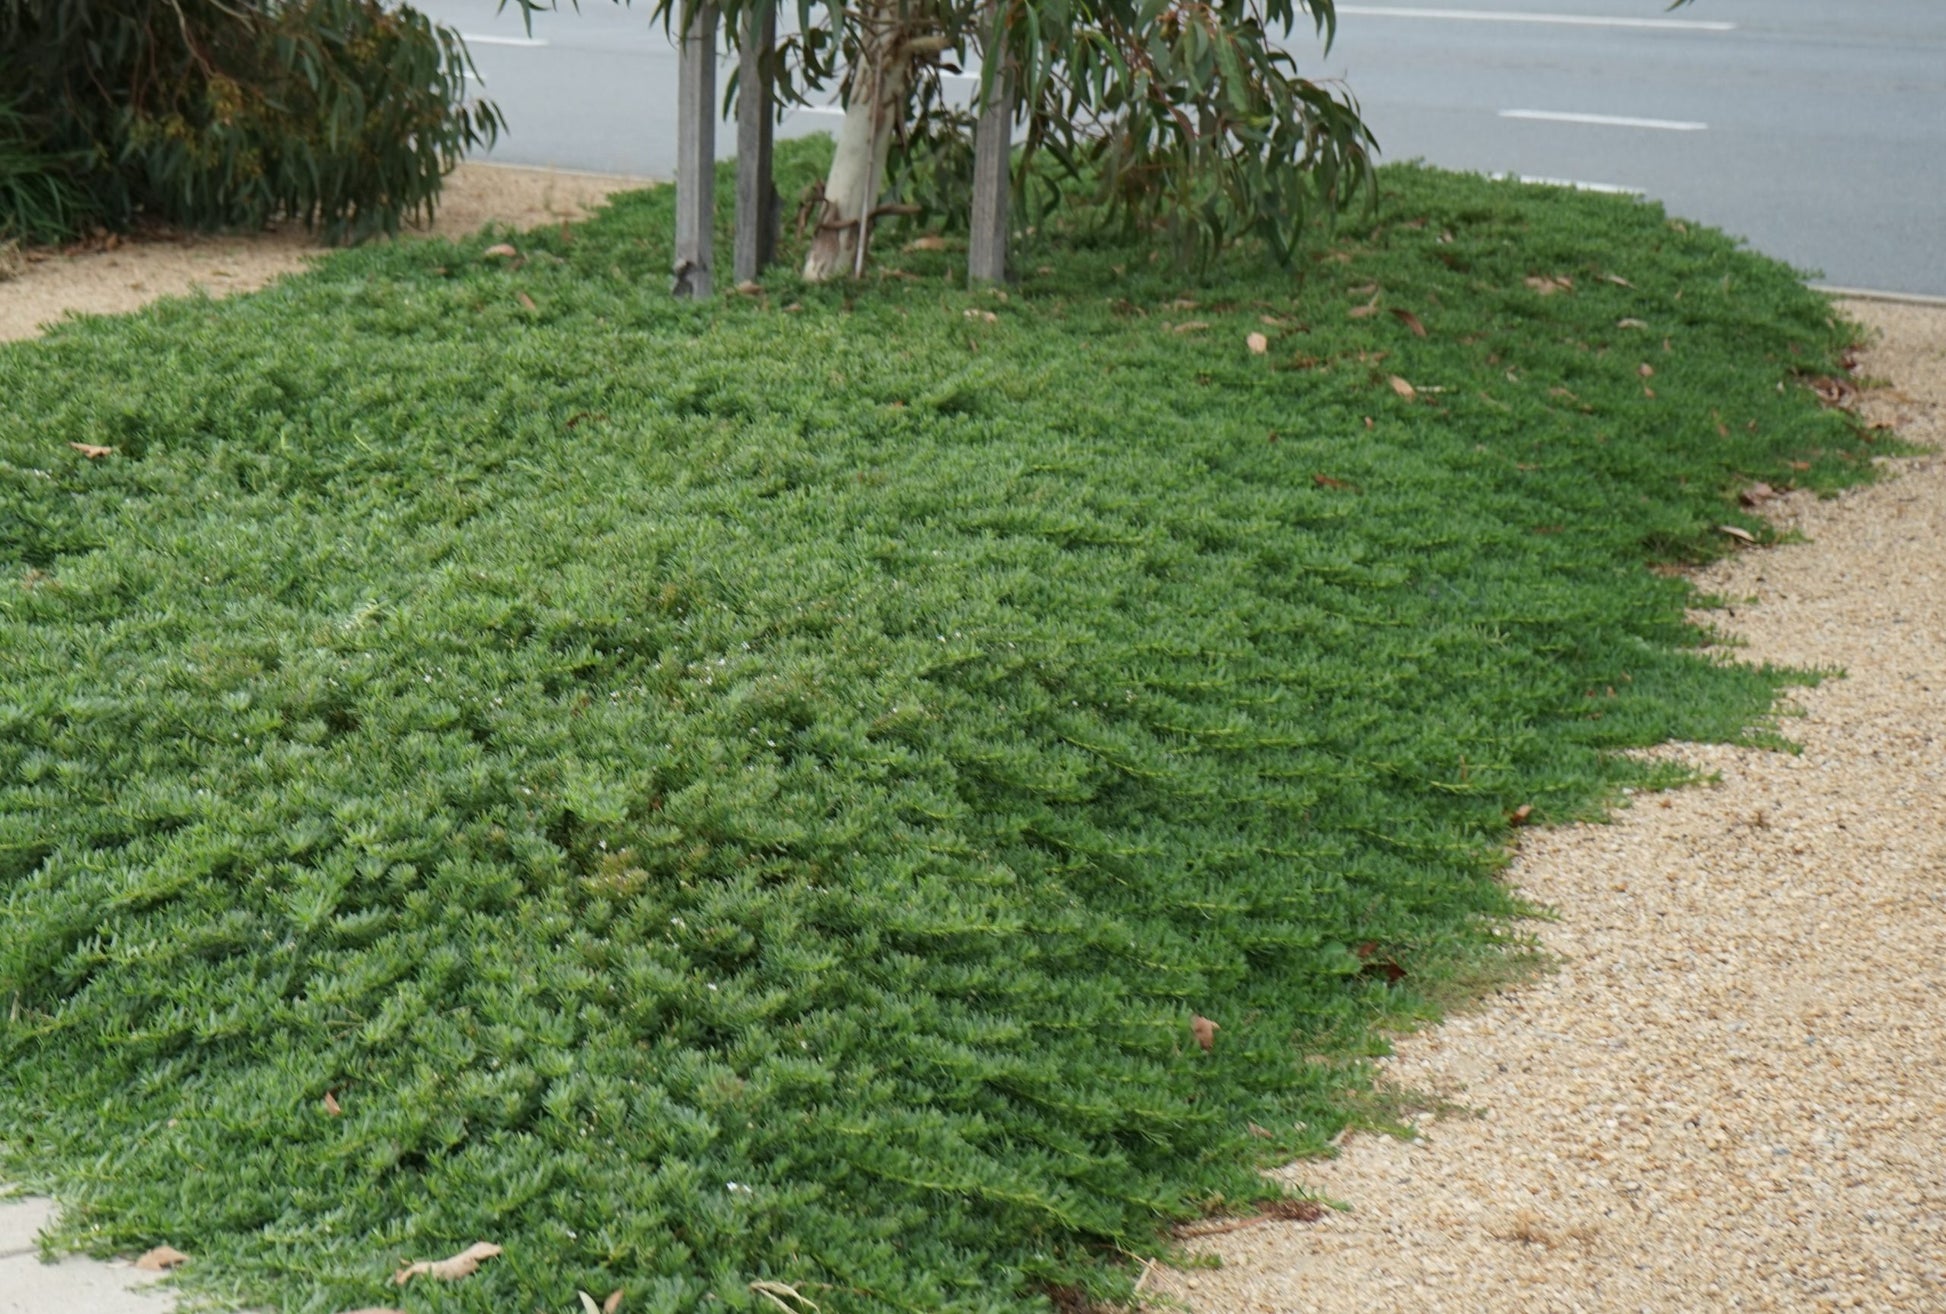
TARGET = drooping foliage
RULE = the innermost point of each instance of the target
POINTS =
(345, 114)
(1185, 114)
(40, 197)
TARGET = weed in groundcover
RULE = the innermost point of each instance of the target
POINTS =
(761, 790)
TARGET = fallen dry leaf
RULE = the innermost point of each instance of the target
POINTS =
(1258, 343)
(1263, 1133)
(774, 1292)
(331, 1105)
(1834, 391)
(1274, 1211)
(161, 1259)
(930, 242)
(1520, 814)
(1326, 481)
(613, 1303)
(1411, 321)
(588, 1303)
(1205, 1031)
(1191, 326)
(1361, 312)
(1618, 280)
(1756, 494)
(500, 249)
(526, 301)
(1631, 323)
(1547, 284)
(1738, 533)
(1293, 1211)
(451, 1269)
(1646, 370)
(92, 452)
(749, 288)
(1367, 953)
(1403, 388)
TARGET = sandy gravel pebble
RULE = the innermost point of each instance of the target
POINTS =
(1732, 1095)
(46, 286)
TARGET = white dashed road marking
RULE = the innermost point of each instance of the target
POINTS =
(488, 39)
(1605, 120)
(1513, 16)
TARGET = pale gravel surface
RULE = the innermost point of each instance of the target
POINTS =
(46, 285)
(1732, 1095)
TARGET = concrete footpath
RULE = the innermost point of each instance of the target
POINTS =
(75, 1285)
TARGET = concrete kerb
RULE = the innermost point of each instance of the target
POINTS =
(75, 1284)
(1869, 294)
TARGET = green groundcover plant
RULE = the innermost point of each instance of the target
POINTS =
(763, 792)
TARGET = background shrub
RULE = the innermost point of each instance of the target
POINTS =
(40, 197)
(210, 113)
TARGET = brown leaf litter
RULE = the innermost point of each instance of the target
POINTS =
(161, 1259)
(451, 1269)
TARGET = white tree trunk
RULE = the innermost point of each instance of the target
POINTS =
(878, 103)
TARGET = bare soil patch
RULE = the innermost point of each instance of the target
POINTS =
(109, 279)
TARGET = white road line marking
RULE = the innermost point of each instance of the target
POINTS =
(1566, 20)
(487, 39)
(1608, 189)
(1606, 120)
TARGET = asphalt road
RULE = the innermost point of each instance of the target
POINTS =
(1816, 129)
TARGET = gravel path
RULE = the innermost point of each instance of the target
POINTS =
(1732, 1096)
(41, 288)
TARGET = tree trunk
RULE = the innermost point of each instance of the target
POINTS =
(879, 86)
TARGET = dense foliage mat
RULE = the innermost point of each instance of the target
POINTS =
(764, 791)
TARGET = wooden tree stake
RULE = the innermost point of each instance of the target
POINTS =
(696, 152)
(756, 214)
(986, 259)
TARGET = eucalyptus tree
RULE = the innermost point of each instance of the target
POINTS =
(1187, 114)
(1190, 113)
